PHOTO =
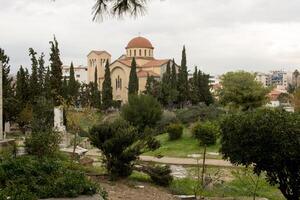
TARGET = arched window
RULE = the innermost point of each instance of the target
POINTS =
(134, 53)
(130, 52)
(140, 51)
(145, 52)
(149, 52)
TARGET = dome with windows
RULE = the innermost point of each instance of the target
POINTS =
(139, 47)
(139, 42)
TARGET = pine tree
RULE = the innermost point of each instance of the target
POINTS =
(133, 85)
(73, 85)
(34, 86)
(41, 73)
(183, 87)
(107, 88)
(7, 89)
(56, 73)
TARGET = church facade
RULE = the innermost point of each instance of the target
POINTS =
(139, 48)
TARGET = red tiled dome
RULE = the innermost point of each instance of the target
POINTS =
(139, 42)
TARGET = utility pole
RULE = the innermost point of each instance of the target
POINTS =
(1, 103)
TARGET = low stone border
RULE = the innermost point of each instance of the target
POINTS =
(95, 197)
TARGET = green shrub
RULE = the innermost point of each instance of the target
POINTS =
(200, 112)
(142, 111)
(115, 140)
(206, 132)
(43, 144)
(175, 131)
(161, 175)
(29, 177)
(167, 118)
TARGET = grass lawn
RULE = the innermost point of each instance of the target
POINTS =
(240, 186)
(181, 148)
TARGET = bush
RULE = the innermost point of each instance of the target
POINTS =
(167, 118)
(175, 131)
(29, 177)
(161, 175)
(200, 112)
(206, 132)
(115, 140)
(43, 144)
(142, 111)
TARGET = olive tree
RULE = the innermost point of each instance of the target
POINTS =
(268, 140)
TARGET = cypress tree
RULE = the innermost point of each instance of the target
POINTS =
(194, 86)
(41, 73)
(133, 85)
(73, 85)
(7, 89)
(56, 73)
(22, 88)
(47, 84)
(107, 88)
(165, 95)
(95, 93)
(34, 86)
(204, 88)
(174, 75)
(65, 89)
(183, 87)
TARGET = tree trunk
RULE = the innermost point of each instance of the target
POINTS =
(203, 166)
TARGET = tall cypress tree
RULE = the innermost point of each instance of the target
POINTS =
(22, 88)
(194, 87)
(56, 73)
(107, 88)
(174, 75)
(204, 88)
(34, 86)
(7, 89)
(65, 89)
(73, 85)
(165, 94)
(183, 86)
(41, 73)
(96, 95)
(47, 84)
(133, 85)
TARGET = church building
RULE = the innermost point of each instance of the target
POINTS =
(142, 50)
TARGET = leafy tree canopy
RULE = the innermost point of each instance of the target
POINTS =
(269, 140)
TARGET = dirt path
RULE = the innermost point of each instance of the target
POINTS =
(185, 161)
(122, 190)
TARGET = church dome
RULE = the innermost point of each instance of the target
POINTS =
(139, 42)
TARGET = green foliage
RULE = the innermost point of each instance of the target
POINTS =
(73, 86)
(200, 112)
(34, 86)
(116, 141)
(142, 111)
(24, 118)
(161, 175)
(206, 132)
(269, 140)
(56, 73)
(22, 88)
(30, 178)
(107, 97)
(95, 97)
(249, 95)
(41, 72)
(175, 131)
(133, 84)
(200, 89)
(182, 83)
(43, 144)
(167, 118)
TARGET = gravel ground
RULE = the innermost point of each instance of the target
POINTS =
(134, 191)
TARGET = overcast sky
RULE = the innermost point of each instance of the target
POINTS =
(220, 35)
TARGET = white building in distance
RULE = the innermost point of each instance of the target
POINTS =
(81, 73)
(274, 78)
